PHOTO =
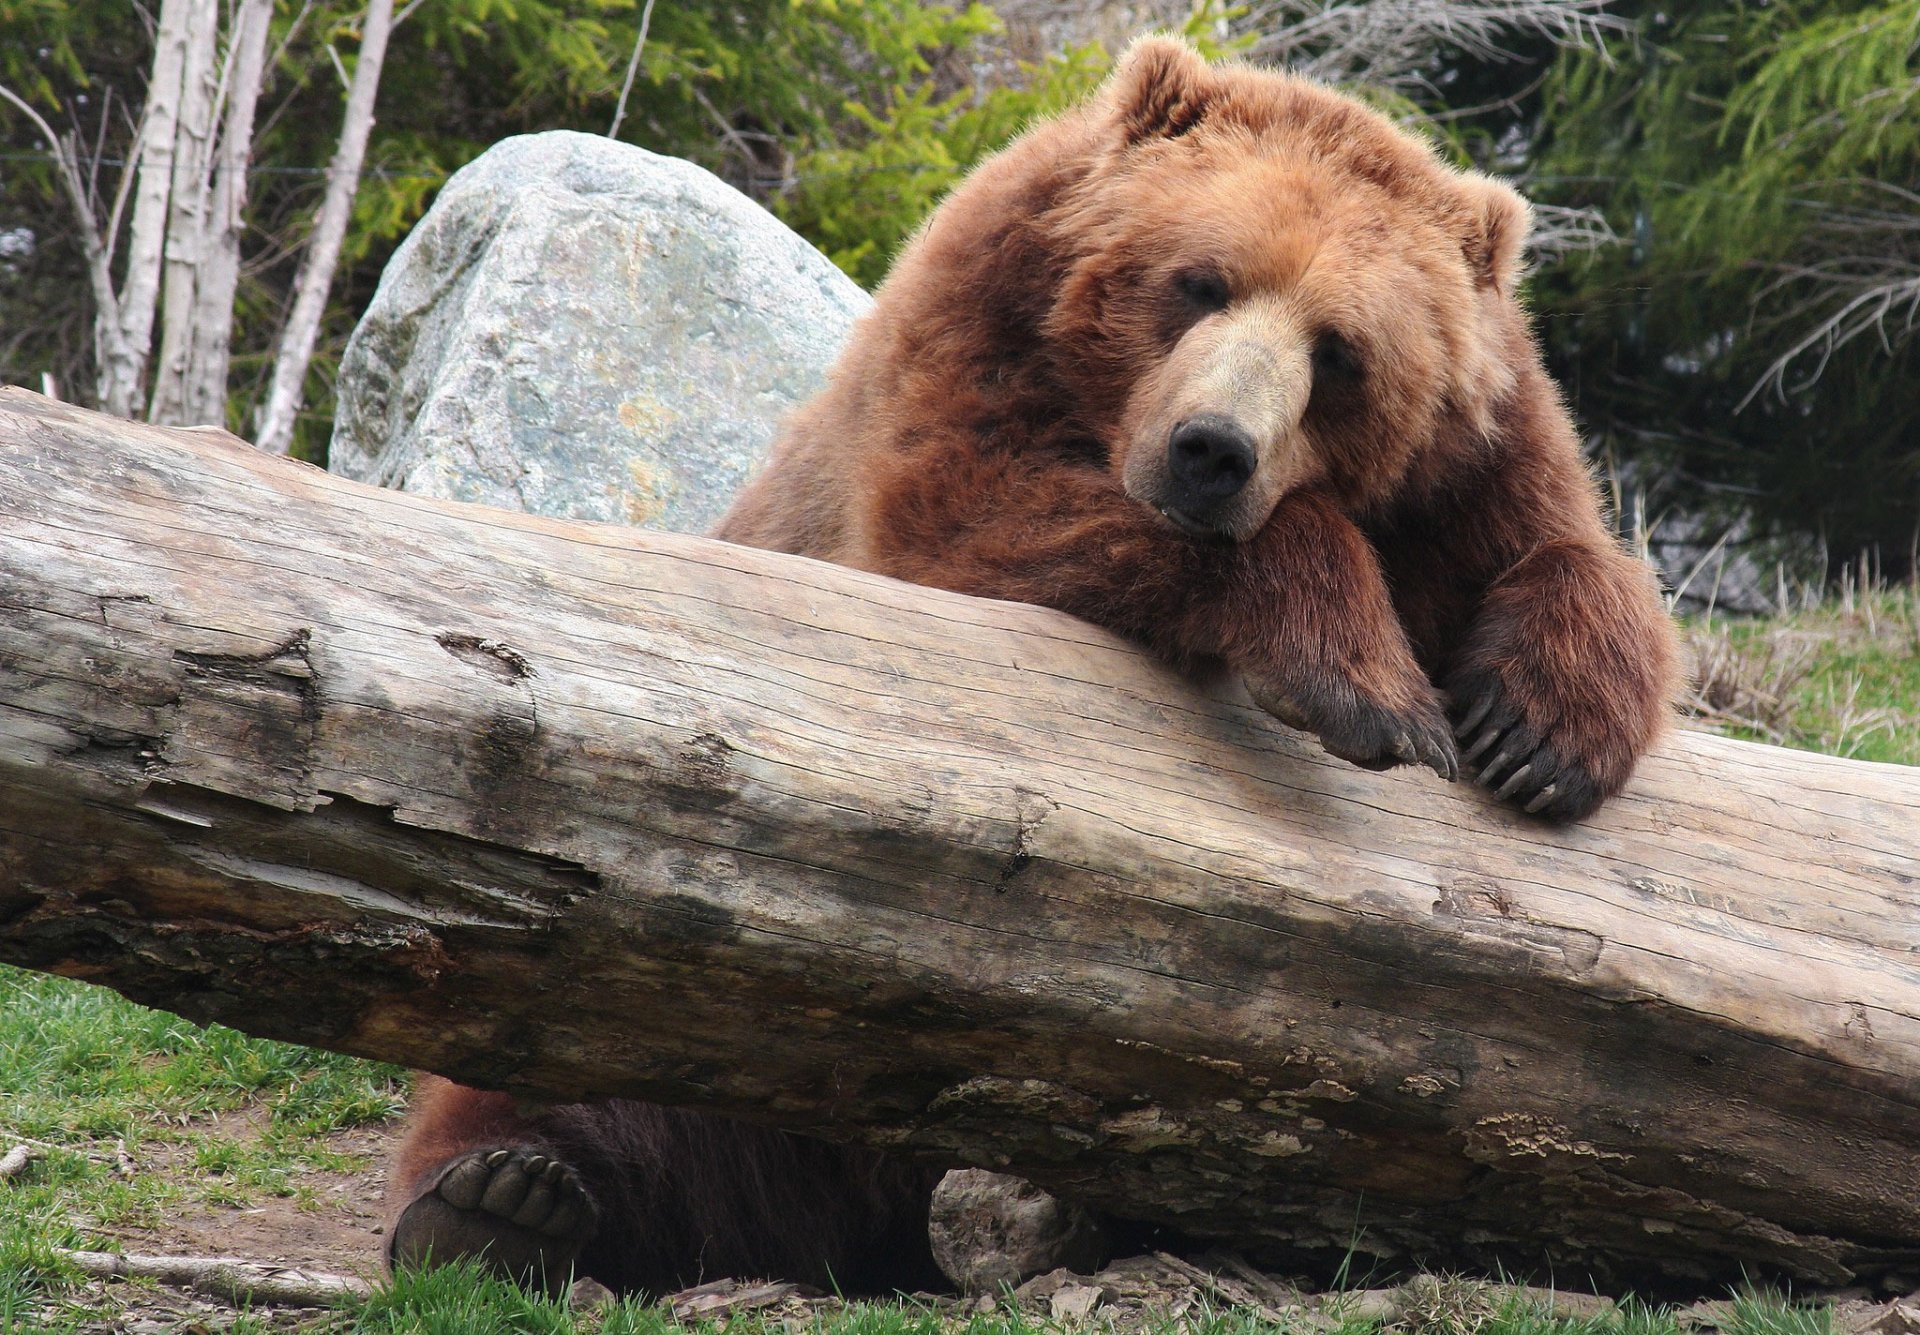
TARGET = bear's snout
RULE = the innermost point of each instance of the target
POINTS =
(1210, 458)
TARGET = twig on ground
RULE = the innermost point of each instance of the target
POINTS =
(16, 1160)
(230, 1278)
(1235, 1293)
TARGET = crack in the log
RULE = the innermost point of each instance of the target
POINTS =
(1031, 810)
(494, 657)
(285, 668)
(257, 711)
(1485, 909)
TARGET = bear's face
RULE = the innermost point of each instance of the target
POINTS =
(1271, 287)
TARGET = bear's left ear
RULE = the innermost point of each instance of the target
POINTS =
(1498, 223)
(1160, 89)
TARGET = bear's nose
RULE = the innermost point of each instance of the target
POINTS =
(1209, 458)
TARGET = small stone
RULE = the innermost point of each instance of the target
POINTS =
(1364, 1304)
(1075, 1302)
(1705, 1316)
(1041, 1288)
(589, 1295)
(1896, 1318)
(1560, 1303)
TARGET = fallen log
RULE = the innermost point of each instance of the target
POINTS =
(578, 810)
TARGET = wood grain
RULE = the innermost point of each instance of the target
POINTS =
(576, 810)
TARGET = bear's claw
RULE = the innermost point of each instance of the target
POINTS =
(521, 1212)
(1520, 766)
(1366, 734)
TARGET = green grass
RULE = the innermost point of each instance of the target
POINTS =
(1842, 677)
(95, 1082)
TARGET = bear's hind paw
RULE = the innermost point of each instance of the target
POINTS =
(517, 1211)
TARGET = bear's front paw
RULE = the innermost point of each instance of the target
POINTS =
(518, 1211)
(1543, 775)
(1356, 728)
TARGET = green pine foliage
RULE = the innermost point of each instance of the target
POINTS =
(1758, 159)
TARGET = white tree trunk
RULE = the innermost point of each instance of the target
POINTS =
(123, 356)
(210, 331)
(315, 279)
(189, 238)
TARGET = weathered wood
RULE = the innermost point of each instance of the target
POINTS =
(572, 809)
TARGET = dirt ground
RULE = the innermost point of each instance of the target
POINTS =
(342, 1235)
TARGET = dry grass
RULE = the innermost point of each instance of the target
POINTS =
(1840, 676)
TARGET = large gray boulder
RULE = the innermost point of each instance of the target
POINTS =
(584, 329)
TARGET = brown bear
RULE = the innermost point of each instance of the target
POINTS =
(1226, 362)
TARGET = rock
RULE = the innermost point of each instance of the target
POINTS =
(1075, 1302)
(583, 329)
(587, 1294)
(990, 1231)
(1897, 1318)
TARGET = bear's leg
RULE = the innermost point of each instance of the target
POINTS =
(1565, 678)
(473, 1179)
(1320, 644)
(672, 1198)
(1301, 610)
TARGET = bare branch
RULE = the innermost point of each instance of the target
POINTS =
(1560, 230)
(1387, 42)
(1867, 283)
(633, 67)
(107, 331)
(1877, 295)
(315, 278)
(233, 1278)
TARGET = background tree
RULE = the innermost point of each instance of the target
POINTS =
(1750, 347)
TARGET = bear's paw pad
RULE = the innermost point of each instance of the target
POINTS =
(519, 1211)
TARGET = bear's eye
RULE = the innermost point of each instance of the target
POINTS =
(1204, 288)
(1335, 358)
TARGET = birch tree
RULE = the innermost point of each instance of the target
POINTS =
(205, 222)
(124, 310)
(274, 432)
(171, 269)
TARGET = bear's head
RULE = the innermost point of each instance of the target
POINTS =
(1270, 286)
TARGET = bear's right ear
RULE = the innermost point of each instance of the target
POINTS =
(1498, 222)
(1160, 89)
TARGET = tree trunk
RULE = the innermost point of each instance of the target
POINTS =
(190, 234)
(210, 328)
(571, 809)
(123, 357)
(315, 278)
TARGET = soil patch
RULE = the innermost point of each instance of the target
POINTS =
(331, 1222)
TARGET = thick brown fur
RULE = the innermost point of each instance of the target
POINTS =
(1396, 524)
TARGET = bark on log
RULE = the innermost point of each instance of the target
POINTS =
(571, 809)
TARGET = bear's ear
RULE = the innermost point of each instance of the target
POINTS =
(1160, 89)
(1498, 223)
